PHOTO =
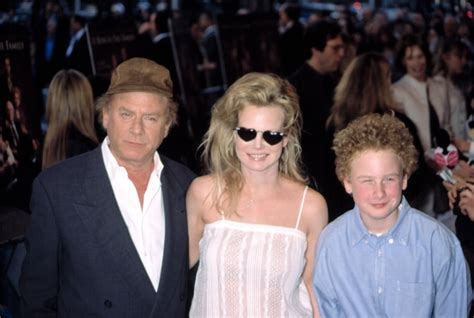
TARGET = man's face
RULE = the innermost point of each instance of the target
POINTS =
(283, 17)
(74, 26)
(330, 58)
(136, 124)
(376, 181)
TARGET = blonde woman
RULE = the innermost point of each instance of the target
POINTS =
(70, 114)
(253, 221)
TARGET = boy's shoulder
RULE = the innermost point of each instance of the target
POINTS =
(423, 225)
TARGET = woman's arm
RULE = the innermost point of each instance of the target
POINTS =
(195, 204)
(315, 216)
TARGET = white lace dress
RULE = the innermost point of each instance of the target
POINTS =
(251, 270)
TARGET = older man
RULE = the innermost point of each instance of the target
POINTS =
(108, 232)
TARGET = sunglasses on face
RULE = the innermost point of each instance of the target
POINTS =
(270, 137)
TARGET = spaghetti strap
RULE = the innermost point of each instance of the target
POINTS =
(301, 208)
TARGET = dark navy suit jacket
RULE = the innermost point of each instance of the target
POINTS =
(81, 261)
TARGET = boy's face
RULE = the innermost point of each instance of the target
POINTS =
(376, 181)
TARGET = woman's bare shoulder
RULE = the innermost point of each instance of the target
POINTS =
(315, 207)
(201, 186)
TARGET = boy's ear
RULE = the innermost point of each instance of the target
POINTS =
(404, 181)
(347, 185)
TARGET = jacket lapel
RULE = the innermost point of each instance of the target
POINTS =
(101, 215)
(176, 241)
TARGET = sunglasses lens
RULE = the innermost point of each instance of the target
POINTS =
(272, 137)
(246, 134)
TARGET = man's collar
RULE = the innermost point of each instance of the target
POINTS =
(113, 166)
(160, 37)
(78, 35)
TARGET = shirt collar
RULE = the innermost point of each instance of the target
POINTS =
(78, 35)
(160, 37)
(399, 231)
(210, 30)
(284, 28)
(114, 169)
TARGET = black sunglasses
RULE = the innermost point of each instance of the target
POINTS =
(270, 137)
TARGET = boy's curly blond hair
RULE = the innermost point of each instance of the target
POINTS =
(374, 132)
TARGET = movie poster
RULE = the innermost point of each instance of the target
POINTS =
(265, 33)
(199, 73)
(249, 44)
(19, 116)
(111, 43)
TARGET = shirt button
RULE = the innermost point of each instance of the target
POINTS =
(379, 290)
(379, 253)
(107, 303)
(390, 241)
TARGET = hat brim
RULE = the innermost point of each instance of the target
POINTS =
(138, 88)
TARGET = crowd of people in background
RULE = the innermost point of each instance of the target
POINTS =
(339, 66)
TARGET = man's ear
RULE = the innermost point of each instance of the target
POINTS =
(167, 128)
(105, 117)
(315, 51)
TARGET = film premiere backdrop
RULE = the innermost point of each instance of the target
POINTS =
(243, 44)
(204, 68)
(19, 118)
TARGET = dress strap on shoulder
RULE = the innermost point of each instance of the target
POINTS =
(301, 207)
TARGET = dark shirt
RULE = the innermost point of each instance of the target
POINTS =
(80, 59)
(291, 48)
(316, 92)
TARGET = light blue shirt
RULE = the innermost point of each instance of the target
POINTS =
(417, 269)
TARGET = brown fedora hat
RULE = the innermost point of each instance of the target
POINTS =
(141, 75)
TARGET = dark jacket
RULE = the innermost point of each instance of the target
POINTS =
(81, 261)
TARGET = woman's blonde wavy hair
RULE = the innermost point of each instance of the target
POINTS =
(219, 155)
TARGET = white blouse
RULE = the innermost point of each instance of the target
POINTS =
(251, 270)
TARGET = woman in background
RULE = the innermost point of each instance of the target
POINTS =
(449, 64)
(70, 114)
(425, 101)
(253, 221)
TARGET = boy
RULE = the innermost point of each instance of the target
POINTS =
(384, 258)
